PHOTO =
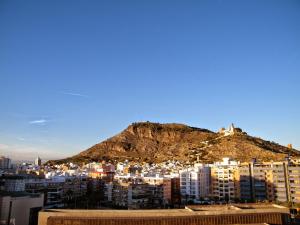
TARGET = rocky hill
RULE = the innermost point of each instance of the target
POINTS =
(154, 142)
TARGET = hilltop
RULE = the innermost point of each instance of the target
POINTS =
(155, 142)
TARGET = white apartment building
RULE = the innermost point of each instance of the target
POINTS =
(194, 182)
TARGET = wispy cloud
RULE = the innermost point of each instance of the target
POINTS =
(38, 122)
(21, 139)
(75, 94)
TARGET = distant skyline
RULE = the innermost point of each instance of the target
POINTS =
(75, 73)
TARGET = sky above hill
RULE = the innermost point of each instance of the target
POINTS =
(73, 73)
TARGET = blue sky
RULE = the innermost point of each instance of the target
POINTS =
(73, 73)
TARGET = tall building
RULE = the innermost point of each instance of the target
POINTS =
(245, 180)
(38, 161)
(294, 183)
(5, 163)
(260, 173)
(195, 182)
(272, 181)
(225, 180)
(175, 191)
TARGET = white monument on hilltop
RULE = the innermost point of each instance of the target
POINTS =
(229, 131)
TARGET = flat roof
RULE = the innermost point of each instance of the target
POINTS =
(195, 210)
(234, 207)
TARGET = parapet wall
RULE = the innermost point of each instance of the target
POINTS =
(199, 216)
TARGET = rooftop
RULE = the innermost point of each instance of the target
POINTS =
(188, 211)
(235, 207)
(204, 215)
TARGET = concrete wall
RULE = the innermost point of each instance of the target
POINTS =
(272, 218)
(271, 214)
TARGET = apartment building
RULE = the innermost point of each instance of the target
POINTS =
(277, 182)
(163, 183)
(271, 181)
(195, 182)
(75, 186)
(225, 184)
(294, 183)
(131, 195)
(52, 189)
(256, 181)
(134, 193)
(245, 181)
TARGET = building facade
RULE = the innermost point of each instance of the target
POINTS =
(225, 184)
(5, 163)
(195, 182)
